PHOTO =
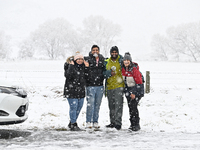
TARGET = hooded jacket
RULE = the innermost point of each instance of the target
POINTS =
(76, 76)
(133, 80)
(115, 81)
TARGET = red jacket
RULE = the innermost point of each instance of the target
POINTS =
(133, 81)
(132, 72)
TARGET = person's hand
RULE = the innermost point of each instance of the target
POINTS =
(71, 62)
(132, 96)
(86, 63)
(113, 73)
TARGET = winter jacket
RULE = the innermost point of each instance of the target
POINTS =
(76, 76)
(113, 82)
(95, 75)
(133, 80)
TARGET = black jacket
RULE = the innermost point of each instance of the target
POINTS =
(75, 80)
(95, 76)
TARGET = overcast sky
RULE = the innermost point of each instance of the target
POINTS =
(139, 19)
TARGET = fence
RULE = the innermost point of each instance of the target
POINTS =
(41, 79)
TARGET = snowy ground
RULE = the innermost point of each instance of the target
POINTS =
(170, 116)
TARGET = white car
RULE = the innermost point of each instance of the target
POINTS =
(13, 104)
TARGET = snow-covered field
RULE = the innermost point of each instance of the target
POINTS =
(169, 113)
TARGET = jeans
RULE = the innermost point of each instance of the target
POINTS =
(75, 108)
(94, 97)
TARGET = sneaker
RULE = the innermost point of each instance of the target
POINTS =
(95, 125)
(88, 125)
(110, 126)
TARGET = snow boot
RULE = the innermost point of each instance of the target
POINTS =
(135, 125)
(69, 125)
(74, 127)
(118, 127)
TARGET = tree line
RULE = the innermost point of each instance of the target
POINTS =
(180, 43)
(56, 39)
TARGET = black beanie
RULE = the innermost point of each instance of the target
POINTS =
(114, 48)
(127, 56)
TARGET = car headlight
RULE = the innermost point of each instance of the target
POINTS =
(17, 91)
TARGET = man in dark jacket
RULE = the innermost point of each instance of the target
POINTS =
(94, 86)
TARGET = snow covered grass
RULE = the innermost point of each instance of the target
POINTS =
(171, 106)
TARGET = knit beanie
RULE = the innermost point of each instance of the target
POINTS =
(77, 56)
(114, 48)
(127, 56)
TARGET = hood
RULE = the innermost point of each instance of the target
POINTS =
(69, 59)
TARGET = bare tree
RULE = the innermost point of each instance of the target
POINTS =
(183, 40)
(27, 49)
(159, 46)
(100, 31)
(55, 38)
(4, 45)
(186, 39)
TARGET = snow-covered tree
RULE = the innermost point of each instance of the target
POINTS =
(26, 49)
(180, 41)
(100, 31)
(55, 38)
(185, 39)
(159, 46)
(4, 45)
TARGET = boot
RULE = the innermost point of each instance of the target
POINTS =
(135, 126)
(118, 127)
(74, 127)
(69, 125)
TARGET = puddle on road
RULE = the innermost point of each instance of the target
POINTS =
(10, 134)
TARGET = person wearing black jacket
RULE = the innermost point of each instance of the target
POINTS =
(76, 74)
(94, 86)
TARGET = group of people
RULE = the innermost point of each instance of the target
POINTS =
(85, 77)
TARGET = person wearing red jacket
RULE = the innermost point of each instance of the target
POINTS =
(134, 89)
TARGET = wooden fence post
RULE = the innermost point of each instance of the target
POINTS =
(147, 86)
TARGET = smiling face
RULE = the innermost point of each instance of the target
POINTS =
(79, 61)
(95, 50)
(126, 63)
(114, 54)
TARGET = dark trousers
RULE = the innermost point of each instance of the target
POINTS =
(133, 110)
(115, 103)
